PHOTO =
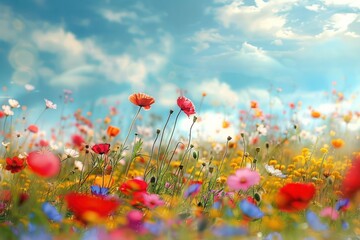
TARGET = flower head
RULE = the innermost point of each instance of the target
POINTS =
(351, 182)
(15, 164)
(99, 191)
(14, 103)
(7, 110)
(44, 163)
(51, 212)
(33, 128)
(101, 148)
(186, 105)
(315, 114)
(71, 153)
(142, 100)
(337, 143)
(90, 208)
(254, 104)
(49, 104)
(152, 201)
(112, 131)
(243, 179)
(295, 196)
(134, 185)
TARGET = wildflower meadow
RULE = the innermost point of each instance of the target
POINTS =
(258, 184)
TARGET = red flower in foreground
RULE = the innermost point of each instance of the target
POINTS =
(351, 182)
(142, 100)
(44, 163)
(295, 196)
(101, 148)
(2, 114)
(186, 105)
(89, 208)
(133, 186)
(15, 164)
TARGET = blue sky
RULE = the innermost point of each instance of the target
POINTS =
(234, 50)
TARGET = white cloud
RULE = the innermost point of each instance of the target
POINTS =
(338, 23)
(117, 17)
(315, 7)
(349, 3)
(167, 95)
(252, 59)
(204, 37)
(64, 44)
(217, 92)
(209, 127)
(75, 61)
(277, 42)
(263, 18)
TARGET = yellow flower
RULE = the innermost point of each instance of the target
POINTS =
(274, 223)
(272, 162)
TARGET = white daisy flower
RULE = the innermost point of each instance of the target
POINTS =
(14, 103)
(71, 153)
(49, 104)
(79, 165)
(275, 172)
(7, 110)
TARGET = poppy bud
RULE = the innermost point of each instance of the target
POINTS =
(257, 197)
(229, 138)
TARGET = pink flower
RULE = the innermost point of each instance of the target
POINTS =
(152, 201)
(44, 163)
(49, 104)
(243, 179)
(329, 212)
(186, 105)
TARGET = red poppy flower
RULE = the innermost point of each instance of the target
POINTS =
(15, 164)
(44, 163)
(101, 148)
(138, 199)
(77, 140)
(142, 100)
(87, 208)
(113, 131)
(132, 186)
(186, 105)
(351, 182)
(295, 196)
(2, 114)
(33, 128)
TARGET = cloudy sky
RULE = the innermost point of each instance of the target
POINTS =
(234, 50)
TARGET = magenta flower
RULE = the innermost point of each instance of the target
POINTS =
(186, 105)
(243, 179)
(330, 213)
(152, 201)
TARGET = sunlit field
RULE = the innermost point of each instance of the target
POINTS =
(157, 183)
